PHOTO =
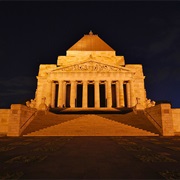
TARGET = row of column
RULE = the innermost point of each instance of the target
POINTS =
(120, 101)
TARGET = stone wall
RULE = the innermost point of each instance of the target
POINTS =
(161, 117)
(176, 120)
(4, 120)
(19, 119)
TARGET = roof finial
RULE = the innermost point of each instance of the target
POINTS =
(90, 33)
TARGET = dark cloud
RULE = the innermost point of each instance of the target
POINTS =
(19, 82)
(16, 90)
(165, 42)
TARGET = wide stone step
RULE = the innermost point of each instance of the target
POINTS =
(91, 125)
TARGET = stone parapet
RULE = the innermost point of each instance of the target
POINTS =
(19, 118)
(161, 117)
(4, 120)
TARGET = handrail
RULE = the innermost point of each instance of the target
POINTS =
(28, 119)
(153, 119)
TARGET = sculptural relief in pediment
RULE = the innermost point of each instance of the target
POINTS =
(91, 66)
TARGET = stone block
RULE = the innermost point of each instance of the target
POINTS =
(4, 120)
(176, 119)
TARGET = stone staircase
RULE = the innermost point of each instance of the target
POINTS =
(88, 125)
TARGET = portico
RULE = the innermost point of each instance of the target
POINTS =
(90, 93)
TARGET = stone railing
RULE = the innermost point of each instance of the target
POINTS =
(158, 126)
(161, 117)
(19, 118)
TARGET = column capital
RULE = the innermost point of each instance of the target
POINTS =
(73, 81)
(131, 81)
(49, 81)
(96, 81)
(109, 82)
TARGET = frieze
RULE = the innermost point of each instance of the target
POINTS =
(90, 67)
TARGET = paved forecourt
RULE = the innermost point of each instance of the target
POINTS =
(90, 157)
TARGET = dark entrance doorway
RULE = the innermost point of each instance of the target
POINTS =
(102, 96)
(113, 87)
(79, 96)
(125, 94)
(90, 95)
(68, 88)
(56, 94)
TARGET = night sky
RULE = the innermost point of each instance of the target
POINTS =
(34, 33)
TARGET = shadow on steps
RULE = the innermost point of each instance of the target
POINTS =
(91, 110)
(44, 120)
(138, 120)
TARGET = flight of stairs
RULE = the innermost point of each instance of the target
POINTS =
(85, 125)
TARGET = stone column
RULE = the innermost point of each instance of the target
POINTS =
(64, 93)
(132, 96)
(128, 94)
(85, 95)
(117, 93)
(121, 94)
(53, 95)
(96, 96)
(60, 94)
(73, 94)
(109, 94)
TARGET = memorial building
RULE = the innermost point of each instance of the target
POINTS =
(91, 75)
(94, 79)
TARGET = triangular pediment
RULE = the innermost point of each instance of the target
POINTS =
(91, 66)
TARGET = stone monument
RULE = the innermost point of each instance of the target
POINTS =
(90, 75)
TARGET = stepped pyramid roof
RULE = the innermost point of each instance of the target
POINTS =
(90, 42)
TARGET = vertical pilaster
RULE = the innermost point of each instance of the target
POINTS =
(85, 95)
(121, 94)
(53, 95)
(49, 93)
(97, 99)
(109, 95)
(117, 93)
(73, 94)
(132, 97)
(60, 94)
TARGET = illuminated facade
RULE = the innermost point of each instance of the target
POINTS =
(90, 75)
